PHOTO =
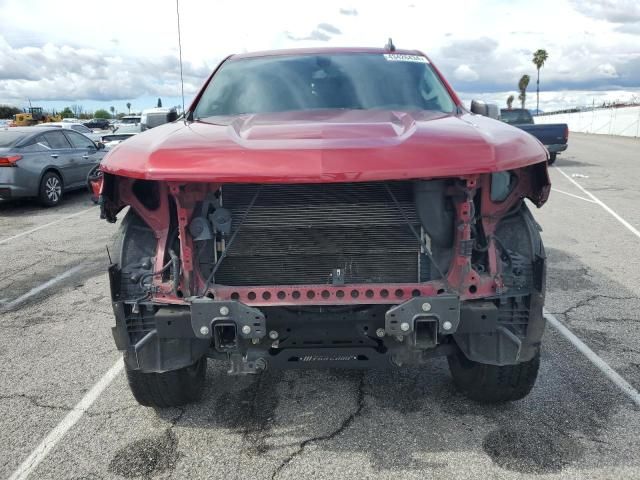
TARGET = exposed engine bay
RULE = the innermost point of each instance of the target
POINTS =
(363, 272)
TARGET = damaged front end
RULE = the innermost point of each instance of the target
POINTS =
(369, 274)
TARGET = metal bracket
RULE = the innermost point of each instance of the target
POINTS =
(444, 309)
(205, 312)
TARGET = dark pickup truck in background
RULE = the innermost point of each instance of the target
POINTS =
(554, 136)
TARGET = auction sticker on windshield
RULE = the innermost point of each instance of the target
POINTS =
(399, 57)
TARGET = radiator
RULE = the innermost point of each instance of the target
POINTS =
(302, 234)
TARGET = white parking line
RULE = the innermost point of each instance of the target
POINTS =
(52, 439)
(35, 290)
(603, 366)
(573, 195)
(6, 240)
(629, 227)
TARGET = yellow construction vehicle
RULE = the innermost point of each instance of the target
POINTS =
(34, 117)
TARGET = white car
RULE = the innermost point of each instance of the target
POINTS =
(128, 120)
(78, 127)
(128, 124)
(112, 139)
(152, 117)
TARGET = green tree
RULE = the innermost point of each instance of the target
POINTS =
(101, 113)
(129, 107)
(539, 57)
(510, 100)
(522, 86)
(66, 113)
(7, 111)
(112, 109)
(159, 103)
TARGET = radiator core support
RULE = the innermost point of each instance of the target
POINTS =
(342, 233)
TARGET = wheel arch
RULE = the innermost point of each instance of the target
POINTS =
(52, 169)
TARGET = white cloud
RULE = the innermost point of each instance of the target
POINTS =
(619, 11)
(349, 11)
(53, 72)
(630, 28)
(129, 49)
(607, 70)
(465, 73)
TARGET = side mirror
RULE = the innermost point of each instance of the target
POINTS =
(485, 109)
(100, 145)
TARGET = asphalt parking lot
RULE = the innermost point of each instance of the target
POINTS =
(56, 347)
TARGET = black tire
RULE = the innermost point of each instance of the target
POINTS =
(552, 157)
(168, 389)
(50, 190)
(491, 383)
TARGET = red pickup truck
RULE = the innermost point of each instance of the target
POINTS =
(327, 208)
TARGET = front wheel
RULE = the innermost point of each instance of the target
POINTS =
(169, 389)
(491, 383)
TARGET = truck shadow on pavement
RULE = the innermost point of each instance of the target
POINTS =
(409, 419)
(570, 161)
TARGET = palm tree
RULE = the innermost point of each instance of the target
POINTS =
(539, 57)
(129, 107)
(522, 86)
(510, 100)
(113, 110)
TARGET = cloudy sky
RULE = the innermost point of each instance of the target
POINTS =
(98, 54)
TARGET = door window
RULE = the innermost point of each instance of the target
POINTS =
(81, 129)
(57, 140)
(80, 141)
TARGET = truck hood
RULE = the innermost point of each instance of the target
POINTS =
(324, 146)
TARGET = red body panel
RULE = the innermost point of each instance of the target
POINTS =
(326, 146)
(192, 159)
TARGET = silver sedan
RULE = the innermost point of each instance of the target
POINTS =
(44, 162)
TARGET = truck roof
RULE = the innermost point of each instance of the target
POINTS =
(324, 50)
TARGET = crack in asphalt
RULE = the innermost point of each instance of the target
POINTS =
(174, 421)
(34, 400)
(71, 252)
(346, 423)
(109, 413)
(588, 300)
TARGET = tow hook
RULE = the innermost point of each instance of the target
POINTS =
(227, 323)
(422, 320)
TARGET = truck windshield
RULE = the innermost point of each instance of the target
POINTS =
(516, 116)
(334, 81)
